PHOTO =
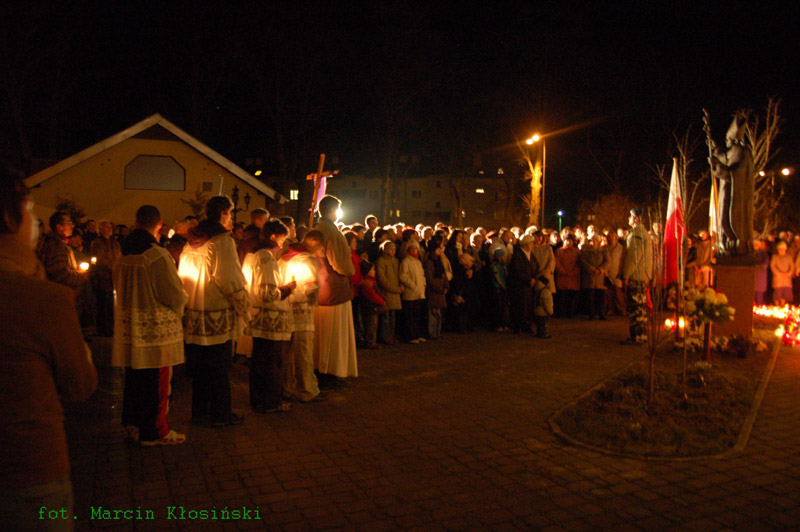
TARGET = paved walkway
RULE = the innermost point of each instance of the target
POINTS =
(448, 435)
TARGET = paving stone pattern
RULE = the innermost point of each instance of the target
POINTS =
(448, 435)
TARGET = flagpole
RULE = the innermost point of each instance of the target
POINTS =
(679, 248)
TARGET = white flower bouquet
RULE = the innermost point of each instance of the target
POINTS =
(707, 306)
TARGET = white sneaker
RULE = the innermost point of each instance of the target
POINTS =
(172, 438)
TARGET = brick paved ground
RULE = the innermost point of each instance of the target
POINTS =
(448, 435)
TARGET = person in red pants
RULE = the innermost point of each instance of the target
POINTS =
(148, 337)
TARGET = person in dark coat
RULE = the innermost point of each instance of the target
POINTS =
(521, 279)
(436, 286)
(251, 235)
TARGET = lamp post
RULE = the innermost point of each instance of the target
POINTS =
(536, 138)
(560, 214)
(235, 199)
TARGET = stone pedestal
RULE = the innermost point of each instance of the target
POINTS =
(738, 282)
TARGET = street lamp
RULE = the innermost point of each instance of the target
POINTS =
(536, 138)
(560, 214)
(235, 199)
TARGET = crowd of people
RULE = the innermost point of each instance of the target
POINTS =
(294, 302)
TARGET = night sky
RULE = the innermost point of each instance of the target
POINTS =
(362, 81)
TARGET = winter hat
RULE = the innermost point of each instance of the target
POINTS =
(526, 239)
(386, 244)
(499, 253)
(366, 267)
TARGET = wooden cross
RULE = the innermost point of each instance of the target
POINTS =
(316, 177)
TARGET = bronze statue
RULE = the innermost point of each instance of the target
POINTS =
(734, 168)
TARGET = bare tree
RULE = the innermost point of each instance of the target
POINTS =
(761, 132)
(694, 179)
(533, 174)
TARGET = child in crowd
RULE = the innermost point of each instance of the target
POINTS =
(499, 273)
(543, 306)
(370, 304)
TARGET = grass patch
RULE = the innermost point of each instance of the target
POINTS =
(704, 418)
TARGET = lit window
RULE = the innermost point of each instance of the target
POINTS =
(500, 171)
(294, 194)
(257, 173)
(479, 191)
(398, 213)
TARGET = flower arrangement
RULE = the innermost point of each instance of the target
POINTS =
(707, 306)
(791, 327)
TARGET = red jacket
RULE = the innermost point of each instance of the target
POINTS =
(371, 301)
(356, 278)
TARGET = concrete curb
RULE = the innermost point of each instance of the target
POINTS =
(739, 446)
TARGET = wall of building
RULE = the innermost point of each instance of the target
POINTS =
(422, 199)
(98, 184)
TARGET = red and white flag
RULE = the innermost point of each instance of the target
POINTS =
(674, 229)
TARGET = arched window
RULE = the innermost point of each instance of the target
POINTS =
(155, 172)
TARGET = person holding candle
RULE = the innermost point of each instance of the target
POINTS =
(298, 263)
(270, 324)
(57, 257)
(213, 280)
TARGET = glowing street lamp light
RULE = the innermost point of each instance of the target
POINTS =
(786, 171)
(560, 214)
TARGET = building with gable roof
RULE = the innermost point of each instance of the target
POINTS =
(152, 162)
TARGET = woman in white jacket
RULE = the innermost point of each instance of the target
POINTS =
(412, 278)
(270, 323)
(213, 280)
